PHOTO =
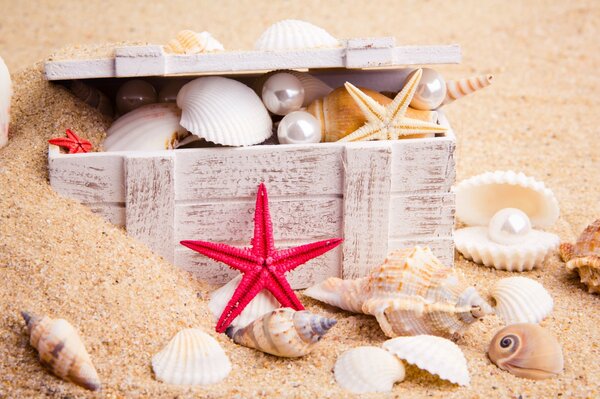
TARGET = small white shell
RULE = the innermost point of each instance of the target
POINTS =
(224, 111)
(521, 300)
(291, 34)
(368, 369)
(5, 96)
(192, 357)
(436, 355)
(260, 305)
(480, 197)
(473, 243)
(150, 127)
(190, 42)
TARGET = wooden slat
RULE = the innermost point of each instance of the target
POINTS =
(80, 69)
(113, 213)
(366, 207)
(421, 215)
(442, 247)
(151, 201)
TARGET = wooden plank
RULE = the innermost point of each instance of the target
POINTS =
(370, 52)
(287, 170)
(80, 69)
(151, 201)
(442, 247)
(88, 178)
(421, 215)
(305, 218)
(366, 207)
(139, 61)
(113, 212)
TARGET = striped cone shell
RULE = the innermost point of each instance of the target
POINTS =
(456, 89)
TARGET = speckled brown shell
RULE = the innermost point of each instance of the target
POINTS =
(584, 256)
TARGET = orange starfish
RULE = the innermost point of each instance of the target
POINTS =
(73, 143)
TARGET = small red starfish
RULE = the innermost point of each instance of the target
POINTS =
(262, 265)
(73, 143)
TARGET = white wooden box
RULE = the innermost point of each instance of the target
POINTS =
(378, 196)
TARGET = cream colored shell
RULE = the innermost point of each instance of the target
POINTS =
(474, 244)
(456, 89)
(224, 111)
(480, 197)
(584, 256)
(368, 369)
(192, 357)
(5, 96)
(434, 354)
(521, 300)
(292, 34)
(190, 42)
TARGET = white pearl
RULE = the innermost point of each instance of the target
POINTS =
(283, 93)
(431, 90)
(299, 127)
(133, 94)
(509, 226)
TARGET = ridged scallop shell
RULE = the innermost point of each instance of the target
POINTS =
(92, 97)
(314, 88)
(283, 332)
(368, 369)
(456, 89)
(480, 197)
(224, 111)
(61, 350)
(5, 96)
(411, 293)
(474, 244)
(192, 357)
(584, 256)
(190, 42)
(521, 300)
(292, 34)
(261, 304)
(434, 354)
(149, 127)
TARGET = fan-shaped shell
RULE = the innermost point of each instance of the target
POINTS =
(283, 332)
(192, 357)
(521, 300)
(474, 244)
(149, 127)
(584, 256)
(5, 96)
(434, 354)
(368, 369)
(190, 42)
(314, 88)
(480, 197)
(261, 304)
(224, 111)
(292, 34)
(92, 97)
(61, 350)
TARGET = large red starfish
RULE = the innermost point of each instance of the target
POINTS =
(262, 265)
(73, 143)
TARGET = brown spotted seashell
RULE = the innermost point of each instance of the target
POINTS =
(92, 97)
(584, 256)
(61, 350)
(527, 350)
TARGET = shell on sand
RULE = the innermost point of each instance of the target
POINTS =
(584, 256)
(61, 350)
(521, 300)
(283, 332)
(456, 89)
(5, 96)
(190, 42)
(92, 97)
(292, 34)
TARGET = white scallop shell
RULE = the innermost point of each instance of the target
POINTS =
(224, 111)
(292, 34)
(368, 369)
(474, 244)
(5, 96)
(436, 355)
(521, 300)
(260, 305)
(190, 42)
(149, 127)
(192, 357)
(480, 197)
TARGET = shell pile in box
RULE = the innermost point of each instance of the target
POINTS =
(377, 195)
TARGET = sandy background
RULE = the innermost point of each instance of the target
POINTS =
(56, 257)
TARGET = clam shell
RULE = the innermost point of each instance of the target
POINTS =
(190, 42)
(92, 97)
(434, 354)
(368, 369)
(149, 127)
(480, 197)
(192, 357)
(456, 89)
(584, 256)
(521, 300)
(292, 34)
(314, 88)
(474, 244)
(224, 111)
(5, 96)
(261, 304)
(61, 350)
(283, 332)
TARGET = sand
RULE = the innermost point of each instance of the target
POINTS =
(57, 258)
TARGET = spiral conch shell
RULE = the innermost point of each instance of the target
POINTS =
(456, 89)
(61, 350)
(190, 42)
(411, 293)
(5, 96)
(283, 332)
(584, 256)
(527, 351)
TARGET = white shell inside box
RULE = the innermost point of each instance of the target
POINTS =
(378, 196)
